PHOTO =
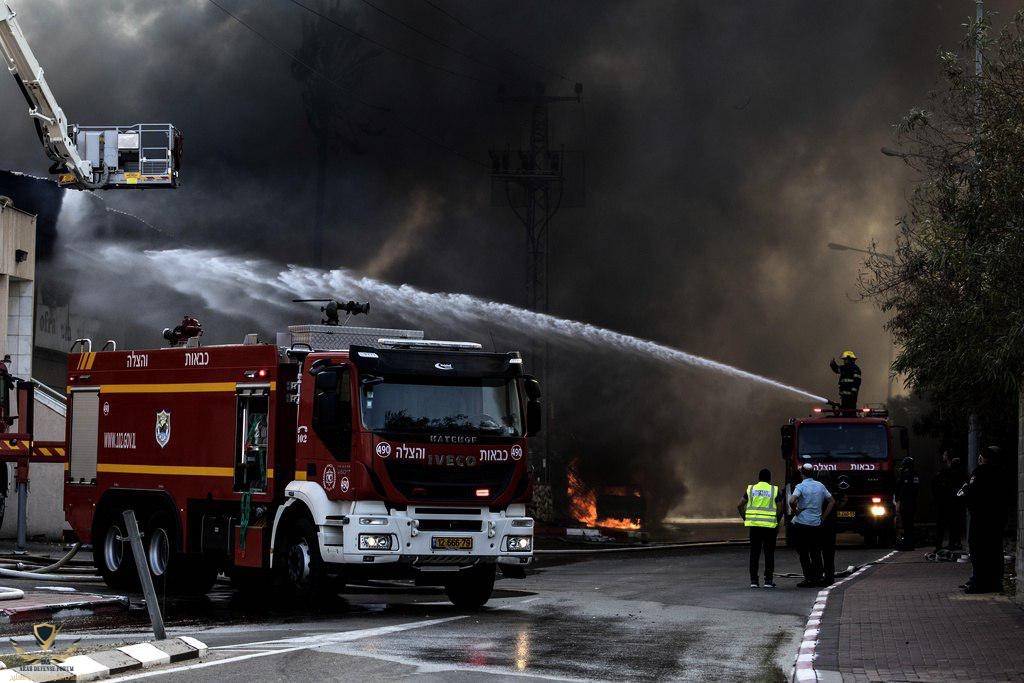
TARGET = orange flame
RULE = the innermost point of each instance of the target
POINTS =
(583, 507)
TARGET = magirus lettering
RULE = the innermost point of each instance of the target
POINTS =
(441, 438)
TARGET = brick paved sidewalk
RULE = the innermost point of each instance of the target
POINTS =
(906, 620)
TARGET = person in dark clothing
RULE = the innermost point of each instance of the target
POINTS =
(828, 534)
(948, 509)
(849, 380)
(907, 486)
(986, 502)
(809, 504)
(958, 508)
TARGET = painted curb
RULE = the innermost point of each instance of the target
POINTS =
(803, 669)
(99, 665)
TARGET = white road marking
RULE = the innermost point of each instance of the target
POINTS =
(300, 643)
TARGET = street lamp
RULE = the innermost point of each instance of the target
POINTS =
(872, 252)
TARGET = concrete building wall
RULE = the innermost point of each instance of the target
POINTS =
(17, 286)
(45, 510)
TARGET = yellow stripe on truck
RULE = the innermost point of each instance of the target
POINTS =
(175, 470)
(185, 388)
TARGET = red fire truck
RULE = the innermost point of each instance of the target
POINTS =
(854, 454)
(333, 455)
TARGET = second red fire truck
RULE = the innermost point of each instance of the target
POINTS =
(334, 454)
(854, 454)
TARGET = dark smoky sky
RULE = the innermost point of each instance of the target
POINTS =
(726, 144)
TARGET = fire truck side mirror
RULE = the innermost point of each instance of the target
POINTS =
(532, 387)
(533, 416)
(788, 436)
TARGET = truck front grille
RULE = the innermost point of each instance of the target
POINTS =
(418, 482)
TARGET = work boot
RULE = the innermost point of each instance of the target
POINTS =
(768, 583)
(807, 584)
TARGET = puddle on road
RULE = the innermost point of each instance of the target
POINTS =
(549, 640)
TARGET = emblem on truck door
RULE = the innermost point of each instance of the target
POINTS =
(163, 428)
(517, 452)
(330, 477)
(383, 449)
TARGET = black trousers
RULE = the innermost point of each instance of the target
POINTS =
(828, 552)
(986, 557)
(808, 546)
(907, 514)
(762, 539)
(847, 401)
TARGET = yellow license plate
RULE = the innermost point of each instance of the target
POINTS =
(846, 513)
(451, 543)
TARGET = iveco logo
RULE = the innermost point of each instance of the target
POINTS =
(443, 366)
(844, 483)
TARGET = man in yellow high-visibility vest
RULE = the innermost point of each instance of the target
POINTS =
(761, 510)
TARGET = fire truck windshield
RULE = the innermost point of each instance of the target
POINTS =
(465, 406)
(842, 441)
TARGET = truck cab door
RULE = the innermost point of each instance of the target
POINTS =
(332, 410)
(252, 438)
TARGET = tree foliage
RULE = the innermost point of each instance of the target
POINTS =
(954, 289)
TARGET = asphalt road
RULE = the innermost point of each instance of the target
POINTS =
(643, 615)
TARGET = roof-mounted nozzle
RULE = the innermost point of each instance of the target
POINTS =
(189, 328)
(332, 308)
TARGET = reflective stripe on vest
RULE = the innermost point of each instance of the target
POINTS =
(761, 507)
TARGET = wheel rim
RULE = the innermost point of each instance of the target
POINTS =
(113, 548)
(298, 562)
(159, 554)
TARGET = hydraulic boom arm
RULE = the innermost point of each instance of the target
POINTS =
(88, 158)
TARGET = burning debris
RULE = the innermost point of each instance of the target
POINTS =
(610, 507)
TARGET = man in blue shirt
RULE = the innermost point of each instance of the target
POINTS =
(810, 502)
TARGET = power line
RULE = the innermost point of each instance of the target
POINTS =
(401, 124)
(295, 58)
(509, 50)
(440, 42)
(400, 53)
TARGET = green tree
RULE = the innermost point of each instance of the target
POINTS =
(955, 288)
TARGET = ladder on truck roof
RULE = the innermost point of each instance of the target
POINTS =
(89, 157)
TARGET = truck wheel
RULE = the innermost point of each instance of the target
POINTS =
(304, 571)
(112, 555)
(170, 568)
(472, 588)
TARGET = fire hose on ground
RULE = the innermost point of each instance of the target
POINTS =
(45, 573)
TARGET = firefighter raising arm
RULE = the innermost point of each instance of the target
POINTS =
(849, 380)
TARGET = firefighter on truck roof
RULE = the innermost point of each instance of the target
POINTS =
(849, 380)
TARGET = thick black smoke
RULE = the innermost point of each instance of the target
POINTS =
(726, 144)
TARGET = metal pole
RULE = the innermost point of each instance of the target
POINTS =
(144, 576)
(22, 520)
(973, 442)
